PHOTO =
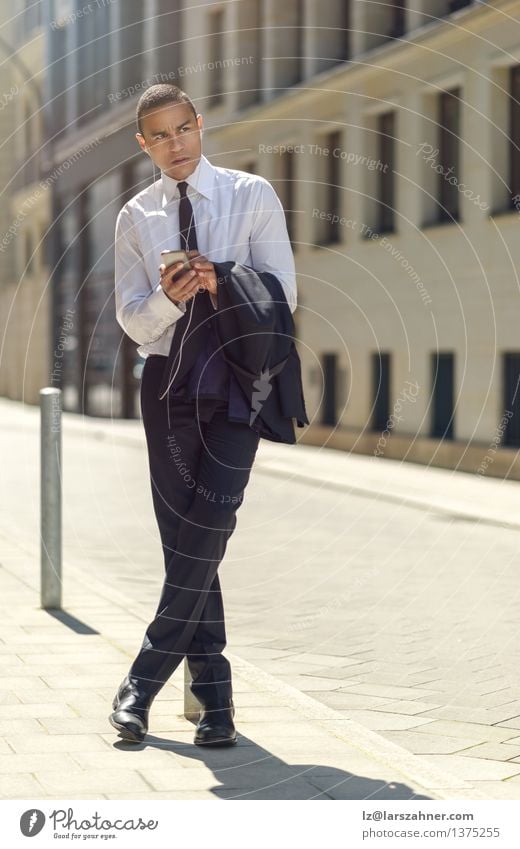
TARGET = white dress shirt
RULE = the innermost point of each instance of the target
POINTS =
(238, 217)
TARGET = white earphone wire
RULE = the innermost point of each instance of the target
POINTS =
(192, 300)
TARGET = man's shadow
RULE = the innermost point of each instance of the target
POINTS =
(248, 771)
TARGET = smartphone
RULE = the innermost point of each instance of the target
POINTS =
(170, 257)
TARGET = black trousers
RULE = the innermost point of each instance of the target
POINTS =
(199, 471)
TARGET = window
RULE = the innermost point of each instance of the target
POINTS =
(449, 134)
(93, 61)
(287, 199)
(380, 22)
(455, 5)
(57, 79)
(68, 281)
(44, 245)
(380, 390)
(331, 38)
(250, 34)
(397, 26)
(385, 188)
(514, 133)
(442, 378)
(167, 50)
(29, 253)
(285, 48)
(511, 398)
(27, 129)
(101, 334)
(216, 54)
(30, 19)
(299, 30)
(329, 408)
(328, 188)
(131, 39)
(333, 181)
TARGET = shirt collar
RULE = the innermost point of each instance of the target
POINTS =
(201, 180)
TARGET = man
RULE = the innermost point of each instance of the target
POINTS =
(201, 436)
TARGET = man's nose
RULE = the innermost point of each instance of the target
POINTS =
(175, 143)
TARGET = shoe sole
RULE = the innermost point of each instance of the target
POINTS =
(224, 741)
(126, 733)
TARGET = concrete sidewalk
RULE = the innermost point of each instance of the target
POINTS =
(292, 745)
(59, 673)
(489, 500)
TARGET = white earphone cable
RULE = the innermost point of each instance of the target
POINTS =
(192, 300)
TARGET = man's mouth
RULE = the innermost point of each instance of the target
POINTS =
(178, 161)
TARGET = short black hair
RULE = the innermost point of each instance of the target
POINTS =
(158, 95)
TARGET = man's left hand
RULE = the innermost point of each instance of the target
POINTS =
(205, 271)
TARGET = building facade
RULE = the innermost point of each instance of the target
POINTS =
(391, 132)
(25, 296)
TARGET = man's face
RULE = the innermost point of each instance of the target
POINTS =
(172, 136)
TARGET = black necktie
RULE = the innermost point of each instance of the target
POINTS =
(186, 220)
(196, 306)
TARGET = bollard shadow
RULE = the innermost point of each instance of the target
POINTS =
(249, 771)
(70, 621)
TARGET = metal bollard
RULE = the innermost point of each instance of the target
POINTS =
(50, 498)
(191, 704)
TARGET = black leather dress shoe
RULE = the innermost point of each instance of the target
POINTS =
(215, 726)
(131, 705)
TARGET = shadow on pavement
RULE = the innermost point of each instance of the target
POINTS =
(248, 771)
(70, 621)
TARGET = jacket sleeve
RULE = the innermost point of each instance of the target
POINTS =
(270, 245)
(143, 311)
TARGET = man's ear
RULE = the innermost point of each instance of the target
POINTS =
(142, 143)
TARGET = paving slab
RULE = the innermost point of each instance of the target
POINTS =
(397, 591)
(65, 747)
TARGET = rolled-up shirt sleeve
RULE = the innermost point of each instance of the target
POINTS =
(143, 311)
(270, 244)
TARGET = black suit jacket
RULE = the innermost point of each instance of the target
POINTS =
(255, 328)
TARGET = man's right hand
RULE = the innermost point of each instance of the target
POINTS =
(183, 287)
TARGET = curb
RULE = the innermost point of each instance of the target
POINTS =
(369, 742)
(419, 772)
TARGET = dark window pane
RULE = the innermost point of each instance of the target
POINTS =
(93, 60)
(386, 144)
(251, 36)
(511, 376)
(380, 390)
(168, 56)
(330, 380)
(288, 191)
(458, 4)
(449, 134)
(346, 23)
(333, 142)
(442, 395)
(514, 131)
(398, 19)
(131, 34)
(216, 54)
